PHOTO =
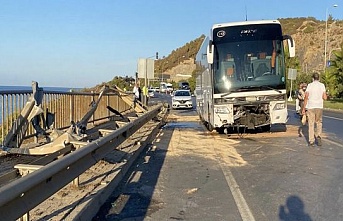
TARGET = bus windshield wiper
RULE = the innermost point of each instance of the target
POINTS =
(271, 88)
(248, 88)
(260, 87)
(226, 94)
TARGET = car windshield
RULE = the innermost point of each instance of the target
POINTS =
(182, 93)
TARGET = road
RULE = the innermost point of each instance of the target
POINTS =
(189, 173)
(332, 123)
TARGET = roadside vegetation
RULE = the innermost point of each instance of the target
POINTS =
(335, 104)
(332, 104)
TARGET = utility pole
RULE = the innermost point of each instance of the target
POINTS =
(326, 36)
(146, 78)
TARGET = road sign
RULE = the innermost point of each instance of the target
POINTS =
(146, 68)
(292, 74)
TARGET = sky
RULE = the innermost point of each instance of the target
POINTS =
(82, 43)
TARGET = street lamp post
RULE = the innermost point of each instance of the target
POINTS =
(146, 77)
(326, 35)
(162, 74)
(163, 69)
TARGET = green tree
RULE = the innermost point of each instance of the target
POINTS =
(192, 81)
(295, 64)
(122, 82)
(335, 74)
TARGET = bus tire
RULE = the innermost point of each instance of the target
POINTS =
(265, 128)
(209, 127)
(220, 130)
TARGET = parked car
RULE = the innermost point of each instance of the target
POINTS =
(169, 89)
(151, 93)
(182, 99)
(184, 85)
(156, 89)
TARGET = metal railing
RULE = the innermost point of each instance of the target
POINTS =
(65, 106)
(22, 195)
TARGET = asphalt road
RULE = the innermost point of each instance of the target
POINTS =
(278, 178)
(332, 123)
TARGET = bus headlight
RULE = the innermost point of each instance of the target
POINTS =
(221, 110)
(279, 106)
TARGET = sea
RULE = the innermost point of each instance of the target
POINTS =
(29, 88)
(21, 88)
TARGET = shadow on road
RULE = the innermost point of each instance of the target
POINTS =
(302, 129)
(293, 210)
(133, 199)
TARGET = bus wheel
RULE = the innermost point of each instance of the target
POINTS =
(220, 130)
(209, 127)
(265, 128)
(202, 120)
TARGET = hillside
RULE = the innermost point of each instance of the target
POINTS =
(308, 34)
(179, 63)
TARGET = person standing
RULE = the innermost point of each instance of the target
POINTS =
(136, 94)
(315, 95)
(145, 95)
(301, 96)
(140, 94)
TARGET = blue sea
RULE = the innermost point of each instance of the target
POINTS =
(29, 88)
(21, 88)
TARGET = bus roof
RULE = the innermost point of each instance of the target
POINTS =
(245, 23)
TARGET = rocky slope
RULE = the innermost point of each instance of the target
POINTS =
(309, 37)
(310, 41)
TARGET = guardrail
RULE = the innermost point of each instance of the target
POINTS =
(66, 107)
(22, 195)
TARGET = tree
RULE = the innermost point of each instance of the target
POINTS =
(295, 64)
(335, 74)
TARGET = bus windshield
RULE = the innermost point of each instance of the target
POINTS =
(249, 58)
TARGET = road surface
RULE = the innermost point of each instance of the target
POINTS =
(189, 173)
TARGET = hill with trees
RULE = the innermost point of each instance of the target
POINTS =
(309, 35)
(179, 55)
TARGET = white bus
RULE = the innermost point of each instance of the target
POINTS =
(163, 87)
(242, 77)
(166, 88)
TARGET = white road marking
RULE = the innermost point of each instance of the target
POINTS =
(334, 143)
(335, 118)
(242, 205)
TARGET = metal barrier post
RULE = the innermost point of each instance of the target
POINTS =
(25, 170)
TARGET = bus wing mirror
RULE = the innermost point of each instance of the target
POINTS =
(291, 45)
(210, 50)
(291, 48)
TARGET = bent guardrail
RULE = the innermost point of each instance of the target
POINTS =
(22, 195)
(65, 107)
